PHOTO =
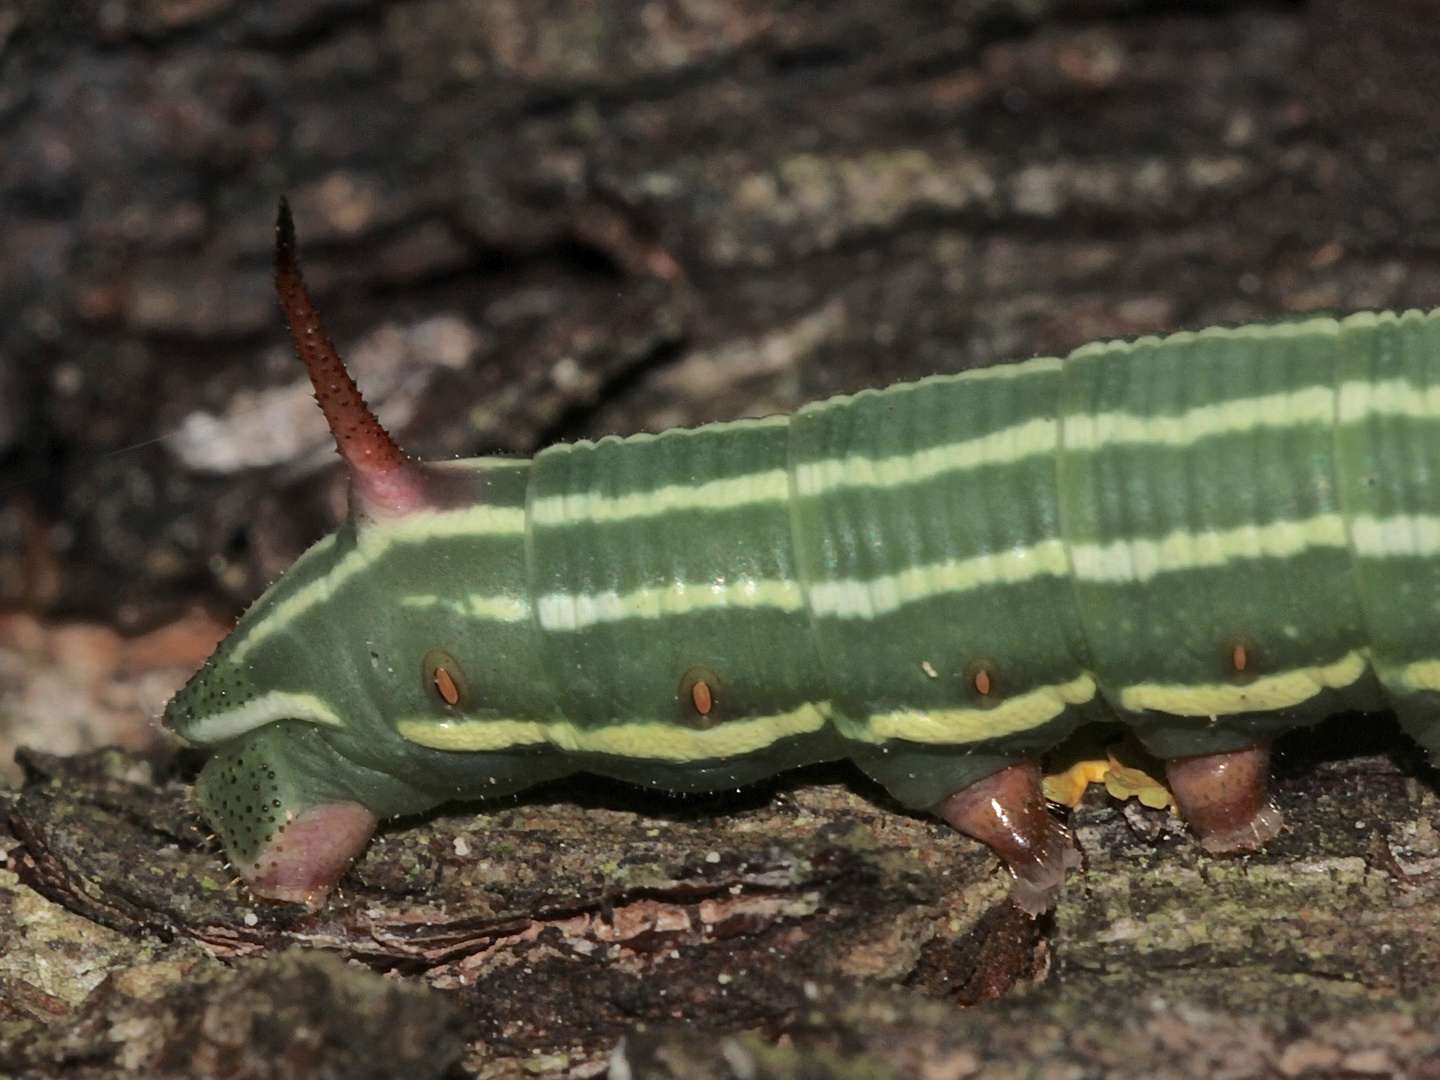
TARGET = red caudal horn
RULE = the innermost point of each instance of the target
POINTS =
(384, 483)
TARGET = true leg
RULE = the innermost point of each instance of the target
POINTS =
(293, 813)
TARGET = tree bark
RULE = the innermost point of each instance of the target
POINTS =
(531, 221)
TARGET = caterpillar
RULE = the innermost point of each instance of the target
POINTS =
(1215, 536)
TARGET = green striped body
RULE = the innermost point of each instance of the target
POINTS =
(1096, 535)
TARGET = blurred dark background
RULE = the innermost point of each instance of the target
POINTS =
(531, 220)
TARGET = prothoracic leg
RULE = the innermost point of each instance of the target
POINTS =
(292, 813)
(1225, 798)
(1007, 811)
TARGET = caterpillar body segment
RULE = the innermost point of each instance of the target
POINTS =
(1217, 536)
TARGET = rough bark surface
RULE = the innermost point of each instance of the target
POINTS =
(534, 937)
(541, 219)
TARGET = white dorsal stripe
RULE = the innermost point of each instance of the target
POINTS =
(770, 486)
(371, 542)
(1024, 369)
(1003, 447)
(1036, 365)
(1119, 562)
(879, 596)
(501, 607)
(1141, 560)
(576, 611)
(1318, 404)
(1317, 326)
(1405, 534)
(1312, 405)
(1386, 397)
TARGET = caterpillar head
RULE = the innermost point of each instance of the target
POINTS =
(291, 811)
(279, 796)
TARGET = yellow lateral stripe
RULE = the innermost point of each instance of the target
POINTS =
(1003, 447)
(1320, 324)
(569, 611)
(772, 486)
(1226, 699)
(498, 608)
(867, 599)
(1140, 560)
(1421, 675)
(1312, 405)
(958, 726)
(276, 705)
(663, 740)
(371, 542)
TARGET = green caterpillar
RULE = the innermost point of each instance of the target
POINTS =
(1217, 536)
